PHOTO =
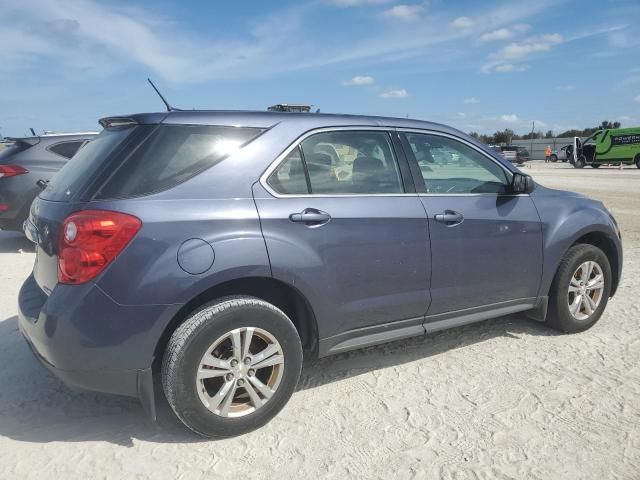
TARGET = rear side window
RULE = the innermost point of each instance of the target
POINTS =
(289, 178)
(66, 149)
(171, 154)
(340, 162)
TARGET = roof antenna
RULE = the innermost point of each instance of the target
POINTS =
(169, 107)
(33, 132)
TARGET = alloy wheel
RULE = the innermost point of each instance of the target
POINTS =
(586, 289)
(240, 372)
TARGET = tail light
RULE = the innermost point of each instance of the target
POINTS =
(12, 170)
(90, 240)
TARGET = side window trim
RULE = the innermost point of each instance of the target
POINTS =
(297, 143)
(408, 179)
(304, 168)
(415, 168)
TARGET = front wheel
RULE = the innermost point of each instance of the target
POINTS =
(580, 290)
(231, 366)
(637, 160)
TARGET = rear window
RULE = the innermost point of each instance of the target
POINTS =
(78, 171)
(171, 154)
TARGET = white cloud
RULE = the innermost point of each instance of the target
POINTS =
(566, 88)
(504, 33)
(516, 51)
(509, 68)
(359, 81)
(463, 22)
(405, 13)
(503, 60)
(356, 3)
(103, 39)
(471, 100)
(400, 93)
(512, 118)
(637, 99)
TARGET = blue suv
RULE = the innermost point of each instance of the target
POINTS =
(214, 249)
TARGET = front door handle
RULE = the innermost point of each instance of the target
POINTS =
(310, 216)
(449, 218)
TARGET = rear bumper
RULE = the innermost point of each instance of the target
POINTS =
(89, 341)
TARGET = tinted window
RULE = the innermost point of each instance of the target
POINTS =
(450, 166)
(171, 154)
(83, 166)
(66, 149)
(289, 177)
(351, 162)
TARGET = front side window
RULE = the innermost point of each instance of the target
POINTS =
(450, 166)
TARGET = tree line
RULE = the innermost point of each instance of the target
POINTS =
(507, 135)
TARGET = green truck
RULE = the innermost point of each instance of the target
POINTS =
(611, 146)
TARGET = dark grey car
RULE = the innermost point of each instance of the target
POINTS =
(26, 161)
(214, 248)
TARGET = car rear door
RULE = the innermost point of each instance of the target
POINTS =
(486, 244)
(349, 233)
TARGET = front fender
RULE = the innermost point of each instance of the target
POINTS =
(565, 220)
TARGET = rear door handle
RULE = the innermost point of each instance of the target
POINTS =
(449, 218)
(310, 216)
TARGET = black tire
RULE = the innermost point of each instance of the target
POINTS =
(553, 158)
(558, 315)
(564, 160)
(637, 160)
(595, 165)
(580, 163)
(192, 339)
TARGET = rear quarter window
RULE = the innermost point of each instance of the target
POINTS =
(170, 155)
(66, 149)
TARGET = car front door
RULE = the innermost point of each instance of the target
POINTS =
(486, 244)
(342, 226)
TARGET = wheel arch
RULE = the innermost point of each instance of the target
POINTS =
(284, 296)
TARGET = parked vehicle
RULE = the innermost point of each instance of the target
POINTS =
(215, 249)
(515, 153)
(619, 146)
(563, 154)
(27, 161)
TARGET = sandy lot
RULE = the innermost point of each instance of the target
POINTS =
(506, 398)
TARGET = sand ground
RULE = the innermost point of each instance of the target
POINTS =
(506, 398)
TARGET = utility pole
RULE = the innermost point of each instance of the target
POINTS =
(533, 129)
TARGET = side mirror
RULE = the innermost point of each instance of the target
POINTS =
(521, 183)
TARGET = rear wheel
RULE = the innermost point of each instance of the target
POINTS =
(580, 290)
(553, 158)
(595, 165)
(637, 160)
(231, 366)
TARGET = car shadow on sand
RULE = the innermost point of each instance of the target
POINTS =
(36, 407)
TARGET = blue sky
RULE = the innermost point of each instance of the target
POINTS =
(477, 66)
